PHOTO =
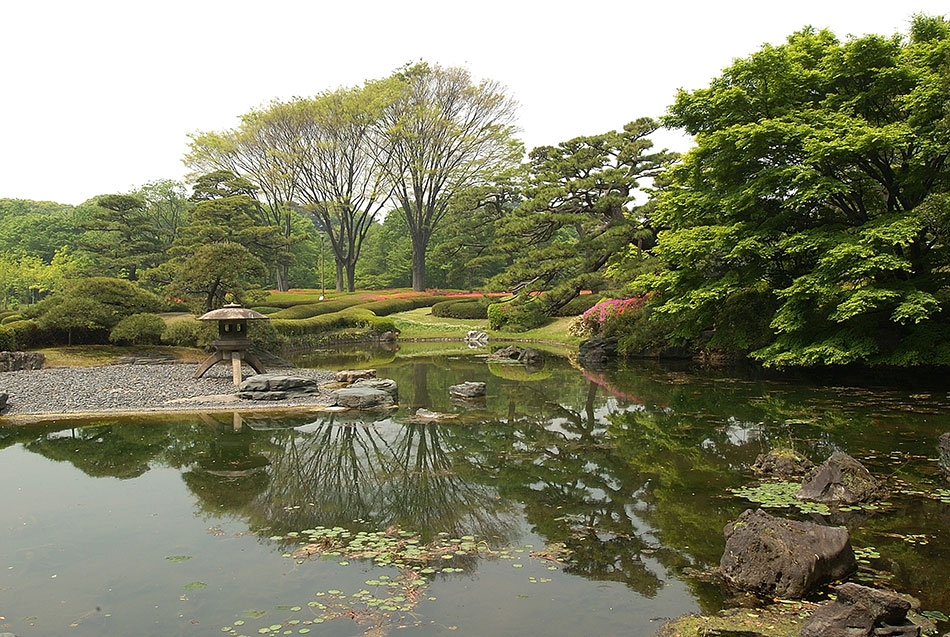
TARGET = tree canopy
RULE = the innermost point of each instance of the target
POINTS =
(810, 221)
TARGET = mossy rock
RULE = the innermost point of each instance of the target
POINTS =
(776, 620)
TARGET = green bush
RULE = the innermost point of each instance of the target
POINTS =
(266, 336)
(266, 309)
(385, 307)
(355, 317)
(462, 309)
(7, 339)
(25, 333)
(516, 316)
(190, 333)
(579, 305)
(138, 329)
(11, 317)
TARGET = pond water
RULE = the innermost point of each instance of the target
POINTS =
(567, 502)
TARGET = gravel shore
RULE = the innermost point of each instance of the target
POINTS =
(132, 388)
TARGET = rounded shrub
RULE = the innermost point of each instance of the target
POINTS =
(7, 339)
(25, 333)
(138, 329)
(516, 316)
(189, 333)
(11, 318)
(462, 309)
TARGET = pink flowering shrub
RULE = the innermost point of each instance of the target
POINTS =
(596, 319)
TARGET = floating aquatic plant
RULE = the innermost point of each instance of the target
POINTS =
(780, 495)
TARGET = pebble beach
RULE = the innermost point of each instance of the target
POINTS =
(134, 388)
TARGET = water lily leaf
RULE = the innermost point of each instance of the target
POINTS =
(194, 585)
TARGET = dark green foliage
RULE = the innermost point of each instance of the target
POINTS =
(7, 339)
(517, 315)
(578, 305)
(462, 309)
(138, 329)
(26, 333)
(92, 307)
(354, 317)
(308, 310)
(190, 333)
(810, 224)
(121, 237)
(581, 212)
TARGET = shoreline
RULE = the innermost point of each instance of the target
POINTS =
(71, 393)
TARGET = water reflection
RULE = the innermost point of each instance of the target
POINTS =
(629, 469)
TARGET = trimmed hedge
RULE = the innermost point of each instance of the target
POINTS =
(309, 310)
(356, 317)
(266, 309)
(385, 307)
(462, 309)
(11, 317)
(18, 335)
(138, 329)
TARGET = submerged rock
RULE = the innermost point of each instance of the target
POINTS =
(424, 415)
(782, 463)
(840, 480)
(862, 611)
(469, 389)
(783, 558)
(363, 398)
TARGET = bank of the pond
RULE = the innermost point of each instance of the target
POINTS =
(131, 389)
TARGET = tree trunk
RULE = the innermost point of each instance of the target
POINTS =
(418, 263)
(351, 277)
(339, 276)
(282, 279)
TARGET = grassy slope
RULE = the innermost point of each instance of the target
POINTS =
(420, 323)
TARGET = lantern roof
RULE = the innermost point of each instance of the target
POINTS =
(232, 312)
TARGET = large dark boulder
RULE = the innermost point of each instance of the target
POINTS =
(840, 480)
(467, 390)
(783, 558)
(862, 612)
(782, 463)
(597, 351)
(944, 446)
(363, 398)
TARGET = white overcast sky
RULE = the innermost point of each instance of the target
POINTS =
(98, 97)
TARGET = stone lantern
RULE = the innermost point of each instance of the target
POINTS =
(232, 343)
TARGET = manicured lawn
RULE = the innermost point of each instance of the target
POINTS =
(420, 323)
(92, 355)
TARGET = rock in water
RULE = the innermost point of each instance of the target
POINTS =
(596, 351)
(363, 398)
(862, 611)
(840, 480)
(276, 387)
(782, 463)
(469, 389)
(783, 558)
(353, 375)
(388, 385)
(944, 444)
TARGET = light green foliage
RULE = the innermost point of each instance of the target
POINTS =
(809, 225)
(580, 212)
(138, 329)
(441, 134)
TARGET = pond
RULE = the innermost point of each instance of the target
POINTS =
(567, 502)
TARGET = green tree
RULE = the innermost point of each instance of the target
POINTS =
(439, 135)
(810, 222)
(582, 211)
(167, 205)
(120, 237)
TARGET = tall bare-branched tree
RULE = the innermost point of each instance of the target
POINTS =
(440, 134)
